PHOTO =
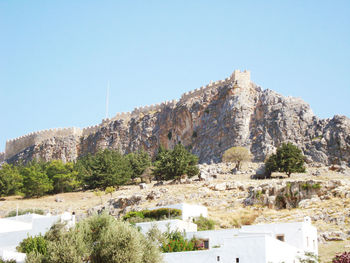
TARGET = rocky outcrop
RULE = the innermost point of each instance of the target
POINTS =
(292, 194)
(229, 113)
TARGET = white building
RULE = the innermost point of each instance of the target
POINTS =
(189, 211)
(269, 243)
(14, 229)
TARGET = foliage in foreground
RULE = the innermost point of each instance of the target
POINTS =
(173, 164)
(342, 258)
(176, 242)
(36, 244)
(288, 159)
(7, 261)
(237, 155)
(100, 238)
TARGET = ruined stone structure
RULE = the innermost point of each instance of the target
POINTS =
(208, 120)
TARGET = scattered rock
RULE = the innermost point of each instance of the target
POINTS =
(143, 186)
(153, 195)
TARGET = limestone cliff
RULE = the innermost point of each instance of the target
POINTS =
(208, 121)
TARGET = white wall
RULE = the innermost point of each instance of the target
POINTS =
(173, 224)
(188, 211)
(295, 233)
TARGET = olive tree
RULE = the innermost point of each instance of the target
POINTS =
(237, 155)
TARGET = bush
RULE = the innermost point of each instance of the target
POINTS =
(204, 223)
(288, 159)
(100, 238)
(237, 155)
(176, 242)
(156, 214)
(36, 244)
(175, 163)
(342, 258)
(25, 211)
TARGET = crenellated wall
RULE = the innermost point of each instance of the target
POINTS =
(19, 144)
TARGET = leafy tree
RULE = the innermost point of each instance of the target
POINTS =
(10, 180)
(175, 163)
(35, 180)
(288, 159)
(98, 239)
(105, 168)
(139, 162)
(237, 155)
(63, 176)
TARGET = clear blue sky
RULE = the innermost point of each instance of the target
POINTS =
(56, 57)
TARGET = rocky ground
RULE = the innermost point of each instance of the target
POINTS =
(323, 193)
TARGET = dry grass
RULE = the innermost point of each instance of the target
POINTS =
(330, 249)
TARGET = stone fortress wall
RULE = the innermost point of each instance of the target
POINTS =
(17, 145)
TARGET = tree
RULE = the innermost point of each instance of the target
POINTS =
(237, 155)
(139, 162)
(10, 180)
(35, 180)
(105, 168)
(63, 176)
(288, 159)
(98, 239)
(175, 163)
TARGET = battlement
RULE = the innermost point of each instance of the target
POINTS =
(17, 145)
(241, 78)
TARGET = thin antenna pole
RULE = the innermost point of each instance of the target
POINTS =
(107, 99)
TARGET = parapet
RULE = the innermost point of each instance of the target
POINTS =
(19, 144)
(241, 78)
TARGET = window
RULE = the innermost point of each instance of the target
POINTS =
(206, 244)
(218, 258)
(307, 241)
(280, 237)
(237, 260)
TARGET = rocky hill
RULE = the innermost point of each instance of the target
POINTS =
(207, 121)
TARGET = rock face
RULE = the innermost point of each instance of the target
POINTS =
(233, 112)
(292, 194)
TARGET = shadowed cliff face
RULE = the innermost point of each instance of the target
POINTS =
(211, 122)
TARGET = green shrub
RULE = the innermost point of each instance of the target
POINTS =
(36, 244)
(237, 155)
(25, 211)
(149, 215)
(139, 162)
(204, 223)
(176, 242)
